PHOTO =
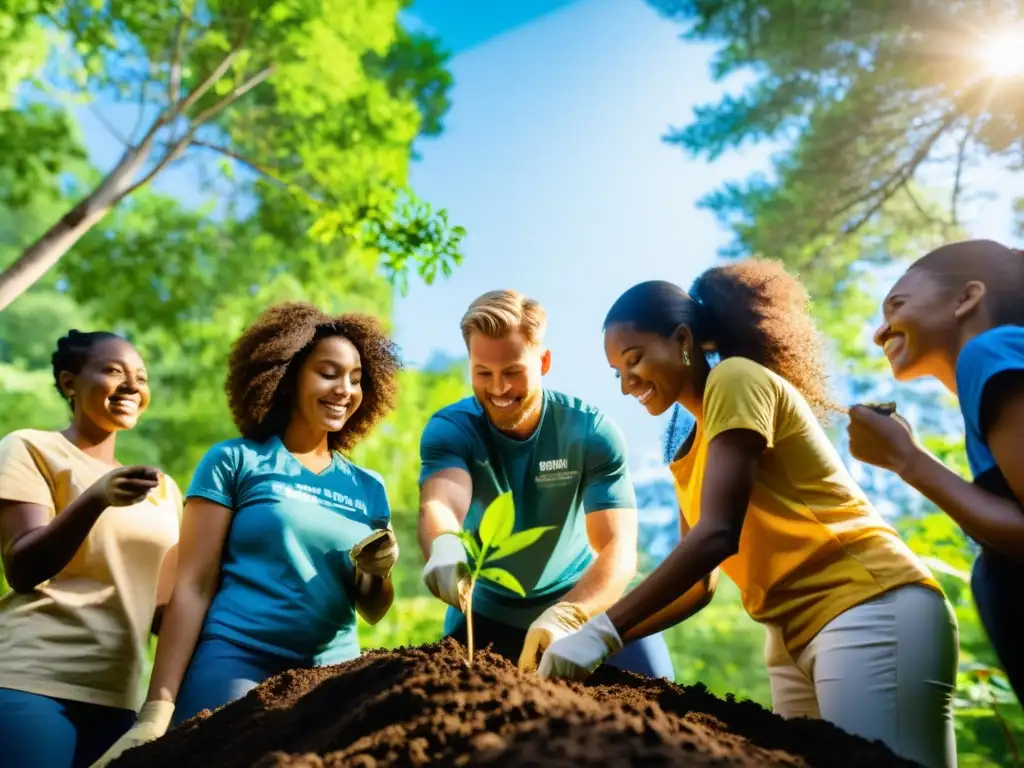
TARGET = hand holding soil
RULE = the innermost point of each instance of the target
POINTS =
(882, 439)
(576, 656)
(151, 724)
(446, 573)
(125, 486)
(558, 621)
(377, 554)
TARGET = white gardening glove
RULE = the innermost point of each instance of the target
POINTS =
(446, 573)
(377, 554)
(556, 622)
(576, 656)
(151, 723)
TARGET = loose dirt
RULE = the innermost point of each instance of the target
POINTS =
(423, 706)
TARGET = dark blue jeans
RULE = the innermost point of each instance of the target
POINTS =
(221, 672)
(647, 656)
(998, 588)
(42, 732)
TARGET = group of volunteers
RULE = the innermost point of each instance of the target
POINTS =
(280, 540)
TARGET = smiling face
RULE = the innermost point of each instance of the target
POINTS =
(111, 391)
(506, 375)
(921, 331)
(328, 386)
(649, 366)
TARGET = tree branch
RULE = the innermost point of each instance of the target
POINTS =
(180, 145)
(232, 97)
(230, 153)
(174, 83)
(111, 129)
(176, 150)
(141, 105)
(961, 155)
(262, 170)
(208, 83)
(928, 218)
(899, 179)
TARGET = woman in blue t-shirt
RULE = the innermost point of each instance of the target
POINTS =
(957, 315)
(283, 539)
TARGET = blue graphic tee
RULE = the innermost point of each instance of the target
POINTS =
(286, 577)
(996, 351)
(573, 464)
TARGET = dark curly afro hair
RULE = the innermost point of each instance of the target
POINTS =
(265, 361)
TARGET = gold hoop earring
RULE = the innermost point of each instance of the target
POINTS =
(686, 358)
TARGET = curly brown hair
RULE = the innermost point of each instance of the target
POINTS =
(751, 308)
(266, 358)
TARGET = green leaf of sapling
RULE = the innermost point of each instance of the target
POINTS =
(518, 541)
(471, 545)
(498, 521)
(503, 578)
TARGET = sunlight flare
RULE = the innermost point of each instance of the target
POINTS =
(1002, 54)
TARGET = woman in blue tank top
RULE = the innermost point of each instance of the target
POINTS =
(957, 315)
(284, 540)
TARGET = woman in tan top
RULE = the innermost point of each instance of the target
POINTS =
(85, 545)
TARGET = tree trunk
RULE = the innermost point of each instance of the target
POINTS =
(39, 257)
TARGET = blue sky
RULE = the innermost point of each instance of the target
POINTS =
(553, 161)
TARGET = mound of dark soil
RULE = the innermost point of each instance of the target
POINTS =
(423, 706)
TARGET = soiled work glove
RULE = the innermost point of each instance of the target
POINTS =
(556, 622)
(446, 573)
(576, 656)
(377, 554)
(151, 723)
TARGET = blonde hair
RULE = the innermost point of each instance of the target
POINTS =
(497, 314)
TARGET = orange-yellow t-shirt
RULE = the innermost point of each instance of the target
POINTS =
(83, 634)
(812, 546)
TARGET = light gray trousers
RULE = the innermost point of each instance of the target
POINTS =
(884, 669)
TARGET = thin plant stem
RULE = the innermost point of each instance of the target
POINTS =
(477, 567)
(469, 619)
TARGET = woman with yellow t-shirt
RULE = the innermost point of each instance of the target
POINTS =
(85, 545)
(858, 631)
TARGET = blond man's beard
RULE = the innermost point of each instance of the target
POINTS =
(530, 406)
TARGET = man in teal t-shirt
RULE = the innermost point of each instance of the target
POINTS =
(565, 464)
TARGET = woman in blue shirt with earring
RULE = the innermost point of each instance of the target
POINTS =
(957, 315)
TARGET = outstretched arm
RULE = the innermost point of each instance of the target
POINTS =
(444, 501)
(613, 535)
(203, 532)
(729, 480)
(682, 608)
(995, 521)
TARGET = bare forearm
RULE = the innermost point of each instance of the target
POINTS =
(40, 554)
(435, 519)
(678, 611)
(374, 596)
(182, 622)
(605, 580)
(697, 555)
(991, 520)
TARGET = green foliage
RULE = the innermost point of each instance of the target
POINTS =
(492, 541)
(303, 114)
(870, 92)
(411, 621)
